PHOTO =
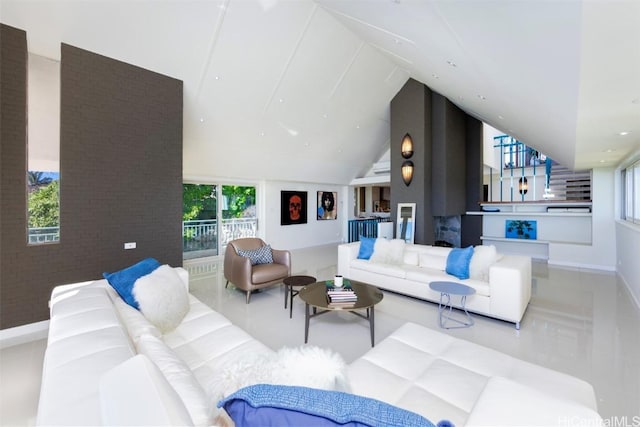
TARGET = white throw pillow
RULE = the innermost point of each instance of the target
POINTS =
(307, 366)
(388, 251)
(162, 297)
(483, 257)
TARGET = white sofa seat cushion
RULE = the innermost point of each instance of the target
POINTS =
(495, 408)
(379, 268)
(207, 342)
(136, 393)
(428, 275)
(432, 373)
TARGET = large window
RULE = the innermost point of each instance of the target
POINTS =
(631, 193)
(212, 215)
(43, 147)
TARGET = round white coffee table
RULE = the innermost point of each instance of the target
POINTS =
(447, 289)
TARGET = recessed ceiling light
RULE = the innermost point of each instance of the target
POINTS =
(325, 115)
(280, 100)
(609, 150)
(357, 126)
(602, 161)
(201, 119)
(624, 133)
(217, 77)
(453, 64)
(501, 118)
(435, 76)
(262, 133)
(482, 97)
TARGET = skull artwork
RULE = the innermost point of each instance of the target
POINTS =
(295, 207)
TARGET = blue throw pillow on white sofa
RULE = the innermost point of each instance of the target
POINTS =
(458, 262)
(122, 281)
(279, 405)
(366, 247)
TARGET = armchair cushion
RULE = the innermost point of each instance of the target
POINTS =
(262, 255)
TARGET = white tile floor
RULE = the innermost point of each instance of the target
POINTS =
(579, 322)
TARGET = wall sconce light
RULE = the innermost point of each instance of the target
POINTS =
(523, 186)
(407, 146)
(407, 172)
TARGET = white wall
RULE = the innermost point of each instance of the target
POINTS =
(314, 232)
(627, 239)
(601, 254)
(627, 249)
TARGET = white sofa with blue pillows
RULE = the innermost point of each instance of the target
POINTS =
(108, 364)
(502, 283)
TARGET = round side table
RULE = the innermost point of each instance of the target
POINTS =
(291, 282)
(447, 289)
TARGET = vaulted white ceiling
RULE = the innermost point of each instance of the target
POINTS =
(300, 90)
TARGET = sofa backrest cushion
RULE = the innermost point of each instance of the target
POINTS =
(181, 378)
(437, 262)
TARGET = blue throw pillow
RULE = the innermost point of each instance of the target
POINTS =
(458, 262)
(262, 255)
(279, 405)
(366, 247)
(122, 281)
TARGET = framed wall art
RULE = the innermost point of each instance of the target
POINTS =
(327, 205)
(406, 222)
(521, 229)
(293, 207)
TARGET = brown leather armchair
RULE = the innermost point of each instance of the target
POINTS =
(239, 271)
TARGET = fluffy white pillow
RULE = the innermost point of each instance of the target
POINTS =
(388, 251)
(483, 257)
(306, 366)
(162, 297)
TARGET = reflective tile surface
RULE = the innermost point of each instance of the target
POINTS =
(581, 322)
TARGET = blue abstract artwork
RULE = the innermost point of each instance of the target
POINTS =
(521, 229)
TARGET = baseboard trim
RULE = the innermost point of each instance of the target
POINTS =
(580, 265)
(23, 334)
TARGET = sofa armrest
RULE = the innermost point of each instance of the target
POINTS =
(510, 283)
(347, 252)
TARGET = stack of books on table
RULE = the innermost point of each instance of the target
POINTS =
(343, 297)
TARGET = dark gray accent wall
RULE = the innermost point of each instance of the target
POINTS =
(449, 172)
(447, 157)
(411, 113)
(472, 224)
(121, 176)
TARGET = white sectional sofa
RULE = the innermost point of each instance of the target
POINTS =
(106, 365)
(503, 287)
